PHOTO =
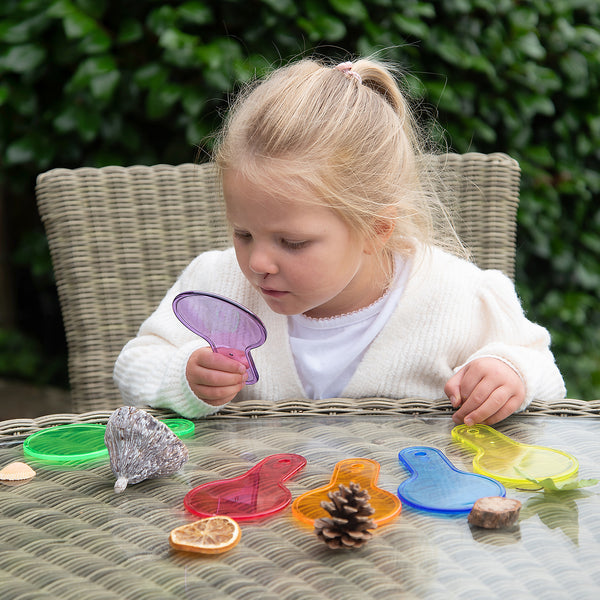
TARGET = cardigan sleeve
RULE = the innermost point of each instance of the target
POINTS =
(150, 370)
(502, 331)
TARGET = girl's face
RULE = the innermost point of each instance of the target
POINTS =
(300, 256)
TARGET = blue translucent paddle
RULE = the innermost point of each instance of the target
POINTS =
(437, 485)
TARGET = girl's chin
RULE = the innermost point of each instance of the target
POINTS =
(289, 310)
(280, 306)
(286, 304)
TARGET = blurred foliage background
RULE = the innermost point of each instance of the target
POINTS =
(98, 82)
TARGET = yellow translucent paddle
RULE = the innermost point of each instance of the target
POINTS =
(511, 462)
(362, 471)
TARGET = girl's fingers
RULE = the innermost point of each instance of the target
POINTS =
(452, 389)
(214, 378)
(490, 390)
(483, 404)
(216, 361)
(474, 398)
(509, 407)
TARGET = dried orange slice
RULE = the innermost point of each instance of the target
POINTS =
(212, 535)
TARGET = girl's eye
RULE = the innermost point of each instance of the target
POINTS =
(290, 245)
(244, 236)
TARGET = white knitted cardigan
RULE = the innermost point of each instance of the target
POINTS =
(450, 313)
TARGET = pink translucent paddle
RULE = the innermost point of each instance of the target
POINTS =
(257, 493)
(230, 328)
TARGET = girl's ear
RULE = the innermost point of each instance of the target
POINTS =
(383, 227)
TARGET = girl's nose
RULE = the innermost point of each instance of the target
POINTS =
(261, 261)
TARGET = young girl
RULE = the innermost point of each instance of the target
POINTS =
(346, 255)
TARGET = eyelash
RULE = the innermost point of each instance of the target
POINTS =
(246, 237)
(294, 245)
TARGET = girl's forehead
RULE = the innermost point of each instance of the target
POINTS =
(285, 208)
(278, 212)
(271, 192)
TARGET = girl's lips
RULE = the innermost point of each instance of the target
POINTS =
(272, 293)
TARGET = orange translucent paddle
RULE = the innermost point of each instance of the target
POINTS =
(363, 471)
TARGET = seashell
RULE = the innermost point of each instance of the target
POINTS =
(16, 471)
(141, 447)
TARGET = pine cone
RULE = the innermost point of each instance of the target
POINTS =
(350, 522)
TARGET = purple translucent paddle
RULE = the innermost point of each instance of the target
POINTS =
(230, 328)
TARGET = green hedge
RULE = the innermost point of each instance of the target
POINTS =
(93, 82)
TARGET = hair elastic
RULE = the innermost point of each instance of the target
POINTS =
(346, 69)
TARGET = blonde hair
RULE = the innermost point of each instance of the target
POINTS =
(355, 145)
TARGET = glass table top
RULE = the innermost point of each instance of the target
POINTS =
(66, 530)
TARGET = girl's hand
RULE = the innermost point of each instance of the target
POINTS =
(485, 390)
(214, 378)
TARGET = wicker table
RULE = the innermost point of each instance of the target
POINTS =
(66, 534)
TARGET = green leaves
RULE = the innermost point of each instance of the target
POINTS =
(98, 74)
(197, 13)
(410, 25)
(350, 8)
(22, 58)
(548, 485)
(323, 27)
(82, 26)
(89, 82)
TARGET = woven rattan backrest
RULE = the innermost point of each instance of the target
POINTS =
(486, 192)
(120, 236)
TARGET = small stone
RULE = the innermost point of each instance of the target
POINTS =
(494, 512)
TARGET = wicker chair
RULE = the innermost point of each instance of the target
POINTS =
(119, 237)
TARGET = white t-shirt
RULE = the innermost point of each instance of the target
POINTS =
(327, 351)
